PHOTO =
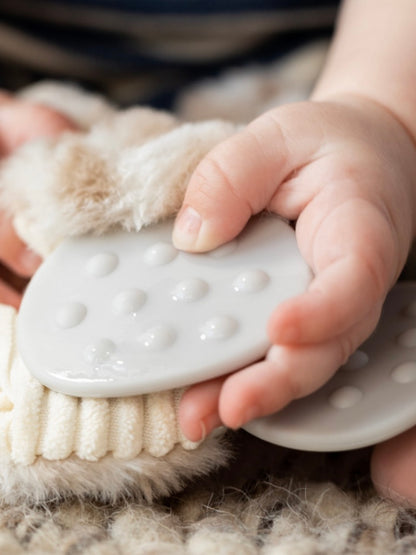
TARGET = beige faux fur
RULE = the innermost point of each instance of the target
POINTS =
(128, 169)
(144, 477)
(121, 169)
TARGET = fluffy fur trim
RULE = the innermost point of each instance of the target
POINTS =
(128, 169)
(109, 479)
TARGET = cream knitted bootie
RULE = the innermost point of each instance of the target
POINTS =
(125, 169)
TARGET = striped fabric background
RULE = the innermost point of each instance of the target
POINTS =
(145, 50)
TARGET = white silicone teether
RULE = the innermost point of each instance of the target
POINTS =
(370, 398)
(126, 313)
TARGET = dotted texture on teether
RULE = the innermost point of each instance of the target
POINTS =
(372, 396)
(127, 313)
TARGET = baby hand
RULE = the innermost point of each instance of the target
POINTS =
(344, 169)
(21, 121)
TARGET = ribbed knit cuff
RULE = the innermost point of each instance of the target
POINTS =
(35, 421)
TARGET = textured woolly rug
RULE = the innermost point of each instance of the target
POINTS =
(269, 500)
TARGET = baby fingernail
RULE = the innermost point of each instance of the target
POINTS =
(186, 230)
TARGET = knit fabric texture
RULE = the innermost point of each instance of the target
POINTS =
(36, 421)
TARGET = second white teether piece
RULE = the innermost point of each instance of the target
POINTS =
(369, 399)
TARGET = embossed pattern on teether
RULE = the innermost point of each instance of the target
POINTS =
(370, 398)
(127, 313)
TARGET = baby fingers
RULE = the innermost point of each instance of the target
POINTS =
(287, 373)
(23, 121)
(353, 253)
(239, 177)
(338, 298)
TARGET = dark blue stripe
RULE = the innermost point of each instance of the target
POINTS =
(115, 50)
(116, 53)
(197, 7)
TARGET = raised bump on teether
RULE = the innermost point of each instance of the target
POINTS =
(405, 372)
(250, 281)
(218, 328)
(128, 301)
(70, 315)
(157, 337)
(345, 397)
(410, 310)
(190, 290)
(408, 338)
(102, 264)
(99, 351)
(160, 253)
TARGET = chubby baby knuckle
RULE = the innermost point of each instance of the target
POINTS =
(269, 125)
(210, 170)
(374, 274)
(203, 184)
(212, 181)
